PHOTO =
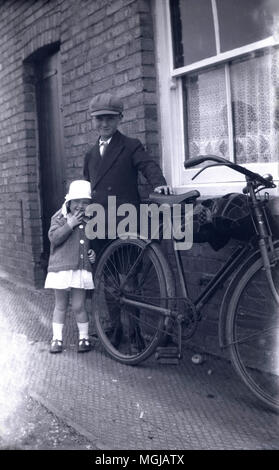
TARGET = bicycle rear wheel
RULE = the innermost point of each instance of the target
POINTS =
(129, 333)
(252, 331)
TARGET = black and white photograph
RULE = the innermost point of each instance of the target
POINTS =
(139, 228)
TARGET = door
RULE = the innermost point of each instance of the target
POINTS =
(50, 133)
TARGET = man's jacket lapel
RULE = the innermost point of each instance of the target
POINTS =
(112, 152)
(95, 163)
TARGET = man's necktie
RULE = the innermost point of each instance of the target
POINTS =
(103, 147)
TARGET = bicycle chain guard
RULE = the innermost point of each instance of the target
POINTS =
(184, 315)
(187, 315)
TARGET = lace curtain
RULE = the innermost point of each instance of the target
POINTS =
(254, 93)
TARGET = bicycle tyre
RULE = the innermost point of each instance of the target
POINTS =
(150, 327)
(252, 333)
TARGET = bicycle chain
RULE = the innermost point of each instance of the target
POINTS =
(187, 317)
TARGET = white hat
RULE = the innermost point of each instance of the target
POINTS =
(79, 189)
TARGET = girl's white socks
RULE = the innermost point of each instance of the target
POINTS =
(83, 330)
(57, 331)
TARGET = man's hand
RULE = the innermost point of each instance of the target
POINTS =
(91, 256)
(163, 190)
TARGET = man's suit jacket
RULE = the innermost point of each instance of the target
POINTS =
(116, 173)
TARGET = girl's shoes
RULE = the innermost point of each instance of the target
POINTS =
(56, 346)
(84, 345)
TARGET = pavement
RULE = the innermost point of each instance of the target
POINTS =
(148, 407)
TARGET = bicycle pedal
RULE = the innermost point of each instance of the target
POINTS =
(168, 360)
(167, 350)
(168, 355)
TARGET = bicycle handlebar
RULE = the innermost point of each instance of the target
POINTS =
(222, 161)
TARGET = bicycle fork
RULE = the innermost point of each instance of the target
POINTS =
(265, 242)
(267, 265)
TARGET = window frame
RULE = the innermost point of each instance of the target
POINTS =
(172, 113)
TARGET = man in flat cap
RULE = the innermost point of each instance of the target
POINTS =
(113, 164)
(112, 167)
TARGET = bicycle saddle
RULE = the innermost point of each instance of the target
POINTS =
(187, 198)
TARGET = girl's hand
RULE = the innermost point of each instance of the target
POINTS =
(75, 219)
(91, 256)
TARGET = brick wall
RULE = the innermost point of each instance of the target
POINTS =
(104, 45)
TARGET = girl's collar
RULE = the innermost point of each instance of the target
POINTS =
(64, 210)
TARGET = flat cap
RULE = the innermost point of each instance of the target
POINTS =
(105, 103)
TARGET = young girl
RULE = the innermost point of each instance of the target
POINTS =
(70, 260)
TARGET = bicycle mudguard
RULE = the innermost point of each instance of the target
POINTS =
(248, 261)
(137, 235)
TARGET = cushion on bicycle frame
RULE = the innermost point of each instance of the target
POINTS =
(215, 220)
(232, 213)
(218, 220)
(203, 227)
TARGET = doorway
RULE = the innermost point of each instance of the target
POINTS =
(50, 135)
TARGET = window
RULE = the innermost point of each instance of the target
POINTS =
(188, 19)
(244, 22)
(249, 107)
(218, 69)
(212, 27)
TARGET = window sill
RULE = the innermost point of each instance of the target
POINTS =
(220, 189)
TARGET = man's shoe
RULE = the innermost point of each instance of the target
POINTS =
(56, 346)
(135, 348)
(137, 341)
(84, 345)
(116, 336)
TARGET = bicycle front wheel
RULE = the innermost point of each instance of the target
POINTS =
(252, 331)
(132, 282)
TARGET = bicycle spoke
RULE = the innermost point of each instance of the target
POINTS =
(110, 275)
(132, 268)
(253, 336)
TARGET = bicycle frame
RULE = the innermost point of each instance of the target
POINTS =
(240, 253)
(217, 280)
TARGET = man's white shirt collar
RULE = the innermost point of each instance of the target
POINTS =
(101, 141)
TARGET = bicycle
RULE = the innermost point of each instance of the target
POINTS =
(136, 306)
